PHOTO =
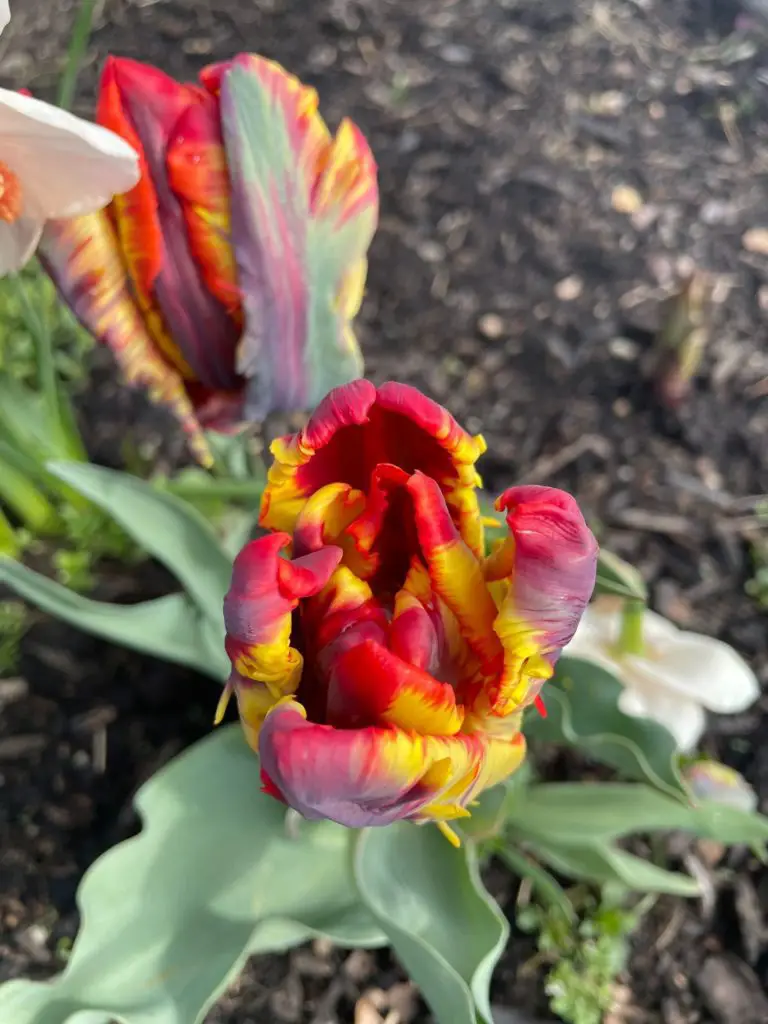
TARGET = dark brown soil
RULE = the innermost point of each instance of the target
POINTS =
(504, 282)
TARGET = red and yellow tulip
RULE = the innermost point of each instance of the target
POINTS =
(381, 662)
(226, 280)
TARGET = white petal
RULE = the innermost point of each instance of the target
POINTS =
(67, 166)
(658, 632)
(18, 242)
(710, 671)
(683, 718)
(5, 14)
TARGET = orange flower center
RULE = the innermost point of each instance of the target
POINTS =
(11, 195)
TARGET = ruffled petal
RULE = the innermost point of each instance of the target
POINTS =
(550, 560)
(370, 685)
(455, 572)
(187, 322)
(197, 173)
(377, 775)
(357, 428)
(305, 209)
(265, 591)
(84, 260)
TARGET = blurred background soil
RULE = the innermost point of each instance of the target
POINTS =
(547, 171)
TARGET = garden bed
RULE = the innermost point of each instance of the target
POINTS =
(509, 282)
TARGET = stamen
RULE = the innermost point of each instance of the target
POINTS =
(449, 834)
(11, 195)
(224, 700)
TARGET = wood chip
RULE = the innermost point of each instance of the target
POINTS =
(625, 199)
(756, 240)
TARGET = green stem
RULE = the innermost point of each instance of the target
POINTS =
(27, 501)
(81, 33)
(631, 635)
(59, 408)
(9, 542)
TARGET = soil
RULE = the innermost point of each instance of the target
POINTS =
(548, 171)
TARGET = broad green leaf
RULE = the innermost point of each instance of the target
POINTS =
(615, 576)
(429, 901)
(169, 917)
(602, 863)
(291, 211)
(582, 702)
(171, 627)
(164, 526)
(586, 811)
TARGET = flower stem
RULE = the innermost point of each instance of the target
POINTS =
(81, 33)
(631, 635)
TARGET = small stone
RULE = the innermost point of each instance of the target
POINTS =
(625, 199)
(359, 965)
(13, 689)
(756, 240)
(621, 408)
(569, 288)
(624, 349)
(431, 252)
(490, 326)
(455, 53)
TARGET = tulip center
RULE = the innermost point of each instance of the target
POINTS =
(11, 195)
(631, 634)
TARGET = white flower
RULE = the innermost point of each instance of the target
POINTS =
(52, 164)
(675, 679)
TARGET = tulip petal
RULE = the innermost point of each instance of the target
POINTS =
(265, 591)
(83, 259)
(455, 572)
(357, 428)
(377, 775)
(370, 685)
(304, 212)
(197, 173)
(187, 322)
(550, 560)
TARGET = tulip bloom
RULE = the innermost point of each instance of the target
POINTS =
(380, 662)
(225, 282)
(674, 678)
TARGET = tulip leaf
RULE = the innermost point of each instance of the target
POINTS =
(170, 627)
(582, 704)
(430, 902)
(585, 811)
(169, 529)
(169, 917)
(615, 576)
(601, 863)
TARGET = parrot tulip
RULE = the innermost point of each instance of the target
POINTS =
(380, 662)
(226, 280)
